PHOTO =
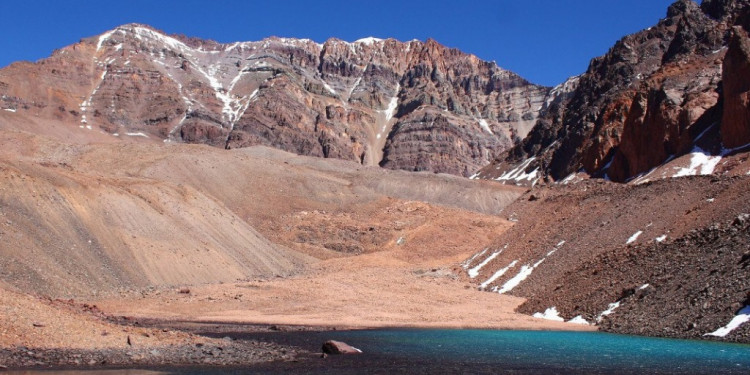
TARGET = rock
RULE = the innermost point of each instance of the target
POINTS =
(39, 325)
(735, 123)
(645, 101)
(184, 291)
(338, 347)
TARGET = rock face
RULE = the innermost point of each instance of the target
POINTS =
(413, 105)
(656, 95)
(735, 124)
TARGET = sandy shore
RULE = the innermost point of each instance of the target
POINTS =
(370, 291)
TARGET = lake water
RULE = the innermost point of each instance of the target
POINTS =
(498, 352)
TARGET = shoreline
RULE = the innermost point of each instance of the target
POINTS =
(216, 345)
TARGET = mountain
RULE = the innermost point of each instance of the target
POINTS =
(673, 93)
(658, 256)
(401, 105)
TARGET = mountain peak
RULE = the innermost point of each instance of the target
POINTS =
(374, 101)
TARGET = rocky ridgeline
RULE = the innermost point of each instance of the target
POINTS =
(657, 94)
(413, 105)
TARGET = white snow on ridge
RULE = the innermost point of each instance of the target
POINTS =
(474, 272)
(634, 237)
(741, 318)
(142, 32)
(368, 41)
(104, 37)
(550, 314)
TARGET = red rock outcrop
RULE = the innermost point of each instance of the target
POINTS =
(735, 124)
(373, 100)
(654, 96)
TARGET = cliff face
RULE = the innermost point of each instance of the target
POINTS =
(650, 99)
(414, 105)
(735, 124)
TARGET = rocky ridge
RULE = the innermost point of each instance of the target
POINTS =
(402, 105)
(661, 258)
(673, 89)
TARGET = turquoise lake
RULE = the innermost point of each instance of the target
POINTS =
(495, 352)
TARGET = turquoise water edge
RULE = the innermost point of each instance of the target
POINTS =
(492, 352)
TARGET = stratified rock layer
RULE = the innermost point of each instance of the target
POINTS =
(413, 105)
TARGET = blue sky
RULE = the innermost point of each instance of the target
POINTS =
(545, 41)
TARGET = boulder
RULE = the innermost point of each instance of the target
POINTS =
(338, 347)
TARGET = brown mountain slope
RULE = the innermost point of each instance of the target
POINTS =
(87, 218)
(579, 248)
(402, 105)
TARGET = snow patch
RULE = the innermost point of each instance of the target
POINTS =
(644, 286)
(9, 109)
(610, 309)
(392, 106)
(701, 163)
(497, 274)
(550, 314)
(661, 238)
(742, 317)
(138, 134)
(483, 123)
(467, 263)
(354, 86)
(634, 237)
(329, 88)
(102, 38)
(474, 272)
(525, 271)
(518, 173)
(578, 320)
